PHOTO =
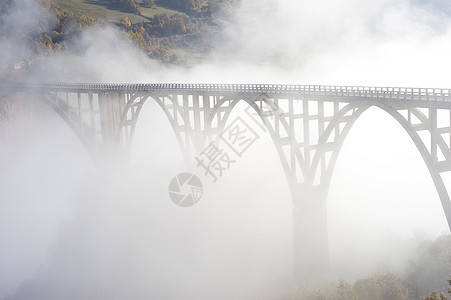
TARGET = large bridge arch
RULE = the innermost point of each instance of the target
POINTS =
(265, 108)
(132, 112)
(113, 124)
(347, 116)
(414, 136)
(62, 112)
(359, 108)
(84, 138)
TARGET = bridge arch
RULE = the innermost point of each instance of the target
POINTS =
(84, 138)
(132, 111)
(265, 107)
(125, 121)
(352, 111)
(414, 136)
(63, 113)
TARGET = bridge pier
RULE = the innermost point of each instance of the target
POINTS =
(310, 236)
(110, 109)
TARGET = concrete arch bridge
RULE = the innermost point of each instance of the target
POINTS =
(308, 124)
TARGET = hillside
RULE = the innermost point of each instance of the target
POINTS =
(106, 9)
(171, 31)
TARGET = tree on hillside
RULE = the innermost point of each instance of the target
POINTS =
(218, 8)
(432, 268)
(149, 3)
(4, 6)
(128, 5)
(437, 296)
(383, 287)
(185, 5)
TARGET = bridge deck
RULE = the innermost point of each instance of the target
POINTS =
(438, 96)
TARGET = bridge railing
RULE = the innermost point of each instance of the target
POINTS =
(396, 93)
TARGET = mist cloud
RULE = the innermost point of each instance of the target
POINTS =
(119, 236)
(327, 42)
(25, 18)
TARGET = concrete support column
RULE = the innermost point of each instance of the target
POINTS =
(310, 241)
(112, 151)
(110, 118)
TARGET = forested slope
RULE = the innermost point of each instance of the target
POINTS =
(175, 32)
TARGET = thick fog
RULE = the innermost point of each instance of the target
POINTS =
(69, 230)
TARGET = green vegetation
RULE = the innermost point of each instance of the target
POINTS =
(433, 266)
(185, 5)
(427, 278)
(127, 5)
(167, 30)
(112, 11)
